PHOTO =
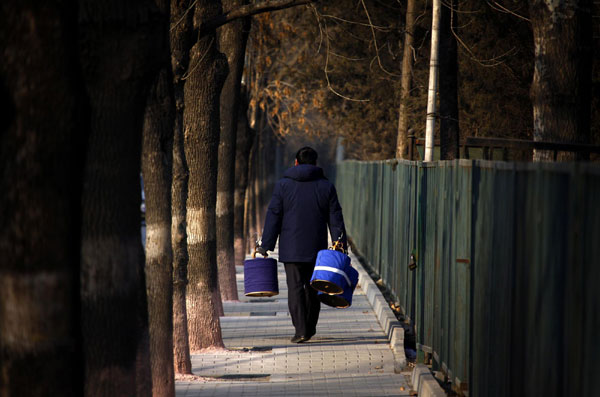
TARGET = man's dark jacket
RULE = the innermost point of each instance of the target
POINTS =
(304, 202)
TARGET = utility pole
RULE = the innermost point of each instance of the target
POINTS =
(433, 80)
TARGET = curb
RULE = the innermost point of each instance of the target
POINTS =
(424, 382)
(386, 317)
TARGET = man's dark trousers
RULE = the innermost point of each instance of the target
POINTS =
(303, 302)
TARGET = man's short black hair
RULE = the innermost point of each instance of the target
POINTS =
(307, 155)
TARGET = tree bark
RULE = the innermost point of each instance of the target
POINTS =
(157, 163)
(406, 81)
(119, 48)
(232, 42)
(561, 89)
(449, 129)
(181, 42)
(245, 138)
(43, 133)
(205, 78)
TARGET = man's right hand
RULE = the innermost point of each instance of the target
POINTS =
(262, 251)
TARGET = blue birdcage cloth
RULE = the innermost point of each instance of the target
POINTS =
(333, 273)
(260, 277)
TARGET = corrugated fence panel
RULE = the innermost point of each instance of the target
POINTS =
(493, 220)
(461, 277)
(585, 279)
(505, 293)
(546, 199)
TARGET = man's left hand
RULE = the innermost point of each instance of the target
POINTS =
(262, 251)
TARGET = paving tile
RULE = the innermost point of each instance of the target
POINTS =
(349, 356)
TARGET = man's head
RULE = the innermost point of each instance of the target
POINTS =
(306, 155)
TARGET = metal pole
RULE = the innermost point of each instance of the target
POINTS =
(433, 80)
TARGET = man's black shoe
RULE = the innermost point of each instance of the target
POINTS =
(299, 339)
(310, 335)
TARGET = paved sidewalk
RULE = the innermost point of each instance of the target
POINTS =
(349, 356)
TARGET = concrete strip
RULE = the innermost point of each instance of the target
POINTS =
(424, 382)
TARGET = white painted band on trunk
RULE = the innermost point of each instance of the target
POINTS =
(224, 204)
(34, 315)
(158, 239)
(200, 225)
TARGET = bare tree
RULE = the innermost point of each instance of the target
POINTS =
(118, 43)
(157, 164)
(205, 78)
(43, 133)
(232, 42)
(181, 41)
(449, 128)
(245, 138)
(406, 81)
(561, 88)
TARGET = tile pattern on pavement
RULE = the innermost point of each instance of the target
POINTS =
(350, 354)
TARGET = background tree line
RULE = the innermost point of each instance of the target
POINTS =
(343, 64)
(97, 93)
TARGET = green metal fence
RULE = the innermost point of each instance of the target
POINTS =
(508, 261)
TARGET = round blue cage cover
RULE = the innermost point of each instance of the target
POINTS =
(260, 277)
(331, 272)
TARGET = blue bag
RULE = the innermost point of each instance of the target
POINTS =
(330, 274)
(344, 299)
(260, 277)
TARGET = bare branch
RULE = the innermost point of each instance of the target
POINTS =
(316, 13)
(174, 26)
(327, 74)
(380, 28)
(375, 41)
(492, 62)
(499, 7)
(249, 10)
(346, 58)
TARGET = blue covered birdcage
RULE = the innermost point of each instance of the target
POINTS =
(260, 277)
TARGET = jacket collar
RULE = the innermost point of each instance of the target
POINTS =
(304, 172)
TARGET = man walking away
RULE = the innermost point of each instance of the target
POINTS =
(304, 203)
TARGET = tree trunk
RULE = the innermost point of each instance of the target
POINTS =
(406, 81)
(181, 42)
(207, 73)
(43, 133)
(259, 174)
(245, 138)
(449, 129)
(119, 44)
(249, 204)
(157, 163)
(232, 42)
(433, 80)
(561, 89)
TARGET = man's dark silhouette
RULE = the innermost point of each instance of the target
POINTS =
(304, 203)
